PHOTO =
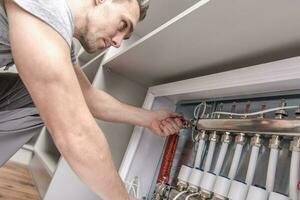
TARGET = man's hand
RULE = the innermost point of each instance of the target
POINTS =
(165, 123)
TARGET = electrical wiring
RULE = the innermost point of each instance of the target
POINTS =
(197, 116)
(133, 186)
(191, 195)
(257, 113)
(179, 194)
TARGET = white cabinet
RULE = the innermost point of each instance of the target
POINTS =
(195, 41)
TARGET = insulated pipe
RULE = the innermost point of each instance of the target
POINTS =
(240, 142)
(168, 157)
(272, 170)
(225, 142)
(221, 188)
(183, 177)
(256, 193)
(201, 145)
(194, 180)
(256, 144)
(272, 165)
(295, 169)
(235, 161)
(277, 196)
(252, 165)
(237, 191)
(213, 138)
(207, 185)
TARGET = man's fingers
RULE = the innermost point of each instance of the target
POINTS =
(179, 122)
(165, 131)
(168, 126)
(173, 124)
(175, 114)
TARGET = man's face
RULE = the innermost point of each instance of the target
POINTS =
(108, 23)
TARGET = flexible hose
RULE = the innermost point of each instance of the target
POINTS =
(200, 149)
(294, 175)
(210, 154)
(191, 195)
(272, 165)
(221, 158)
(168, 158)
(235, 161)
(179, 194)
(252, 165)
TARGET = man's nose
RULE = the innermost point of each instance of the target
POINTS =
(117, 40)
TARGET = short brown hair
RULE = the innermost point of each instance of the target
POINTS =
(144, 5)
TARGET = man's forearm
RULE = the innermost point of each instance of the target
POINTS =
(105, 107)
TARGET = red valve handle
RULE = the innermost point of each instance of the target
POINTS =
(299, 185)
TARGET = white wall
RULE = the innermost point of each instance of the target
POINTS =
(118, 135)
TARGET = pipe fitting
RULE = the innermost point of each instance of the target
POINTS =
(219, 198)
(240, 139)
(203, 135)
(256, 140)
(274, 142)
(280, 114)
(297, 113)
(189, 124)
(192, 189)
(226, 138)
(295, 144)
(205, 194)
(160, 191)
(181, 186)
(214, 136)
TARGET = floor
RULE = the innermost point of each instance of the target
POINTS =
(16, 183)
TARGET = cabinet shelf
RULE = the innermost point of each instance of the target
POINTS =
(210, 38)
(46, 151)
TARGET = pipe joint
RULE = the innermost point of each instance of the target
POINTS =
(181, 186)
(295, 144)
(226, 138)
(274, 142)
(256, 140)
(240, 139)
(218, 197)
(214, 137)
(205, 194)
(193, 189)
(203, 135)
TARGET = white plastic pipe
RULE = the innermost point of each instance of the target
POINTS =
(208, 182)
(184, 173)
(237, 191)
(221, 158)
(200, 149)
(277, 196)
(256, 193)
(294, 175)
(195, 177)
(271, 173)
(221, 187)
(235, 161)
(211, 149)
(252, 165)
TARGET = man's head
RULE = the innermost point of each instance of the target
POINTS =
(108, 22)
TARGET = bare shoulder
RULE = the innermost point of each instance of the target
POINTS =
(30, 35)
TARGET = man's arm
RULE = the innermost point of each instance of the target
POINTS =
(43, 61)
(105, 107)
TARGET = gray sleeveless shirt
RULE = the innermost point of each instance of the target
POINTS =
(56, 13)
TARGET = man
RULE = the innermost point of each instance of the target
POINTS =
(36, 35)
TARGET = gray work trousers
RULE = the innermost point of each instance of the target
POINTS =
(19, 119)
